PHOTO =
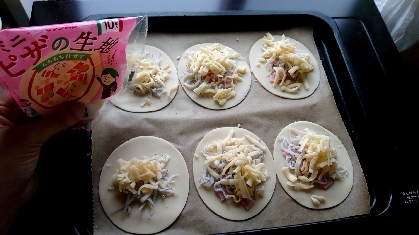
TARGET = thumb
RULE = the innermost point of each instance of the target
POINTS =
(63, 117)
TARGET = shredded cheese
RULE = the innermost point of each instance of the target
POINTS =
(317, 200)
(143, 179)
(150, 76)
(310, 160)
(212, 72)
(235, 164)
(285, 63)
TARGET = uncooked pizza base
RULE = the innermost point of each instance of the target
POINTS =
(228, 209)
(261, 72)
(241, 88)
(337, 192)
(130, 101)
(165, 210)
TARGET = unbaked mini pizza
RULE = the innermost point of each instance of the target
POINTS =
(312, 165)
(284, 66)
(234, 173)
(144, 185)
(214, 76)
(152, 85)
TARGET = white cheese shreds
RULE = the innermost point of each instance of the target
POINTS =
(234, 168)
(145, 102)
(310, 160)
(317, 200)
(287, 173)
(287, 66)
(212, 72)
(149, 76)
(143, 180)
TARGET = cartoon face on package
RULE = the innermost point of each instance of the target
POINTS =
(45, 66)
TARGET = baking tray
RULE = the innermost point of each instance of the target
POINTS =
(347, 92)
(349, 96)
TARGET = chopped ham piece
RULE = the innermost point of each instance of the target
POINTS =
(227, 83)
(247, 203)
(272, 78)
(221, 195)
(324, 183)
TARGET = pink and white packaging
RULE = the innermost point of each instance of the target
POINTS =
(44, 66)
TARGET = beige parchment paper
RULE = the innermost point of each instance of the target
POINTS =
(184, 123)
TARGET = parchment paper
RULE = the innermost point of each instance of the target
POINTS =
(184, 123)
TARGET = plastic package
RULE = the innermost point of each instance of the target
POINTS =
(44, 66)
(402, 20)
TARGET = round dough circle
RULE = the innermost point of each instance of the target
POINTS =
(337, 192)
(228, 209)
(166, 210)
(131, 101)
(241, 88)
(261, 72)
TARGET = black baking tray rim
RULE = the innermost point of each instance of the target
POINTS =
(342, 78)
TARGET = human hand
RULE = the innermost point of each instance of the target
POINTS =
(20, 145)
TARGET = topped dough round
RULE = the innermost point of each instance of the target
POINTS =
(317, 156)
(166, 209)
(275, 57)
(223, 203)
(214, 76)
(153, 86)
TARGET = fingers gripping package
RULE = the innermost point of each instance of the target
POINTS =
(45, 66)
